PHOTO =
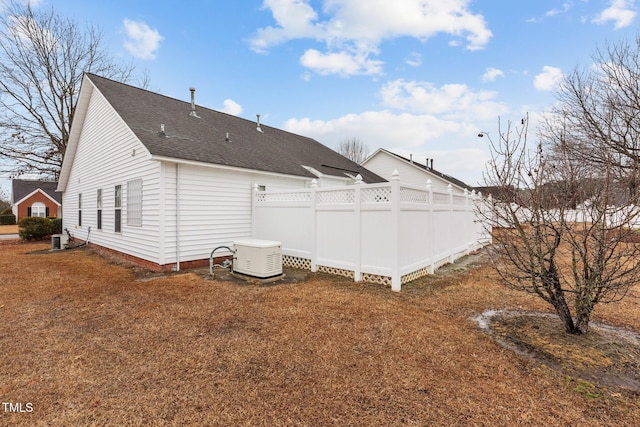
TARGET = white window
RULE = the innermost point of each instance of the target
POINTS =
(99, 206)
(38, 209)
(118, 209)
(134, 202)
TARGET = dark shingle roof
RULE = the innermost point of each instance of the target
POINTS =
(435, 172)
(204, 139)
(21, 188)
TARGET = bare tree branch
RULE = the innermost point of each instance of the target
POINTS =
(557, 232)
(353, 149)
(42, 59)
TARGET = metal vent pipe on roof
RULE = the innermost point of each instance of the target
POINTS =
(193, 102)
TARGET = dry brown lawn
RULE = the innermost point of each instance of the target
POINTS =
(9, 229)
(86, 341)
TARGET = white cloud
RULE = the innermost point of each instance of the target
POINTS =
(621, 12)
(357, 28)
(566, 6)
(142, 42)
(295, 19)
(341, 63)
(376, 128)
(414, 60)
(450, 100)
(492, 74)
(4, 4)
(452, 143)
(549, 79)
(231, 107)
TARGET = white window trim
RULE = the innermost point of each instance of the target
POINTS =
(36, 206)
(134, 202)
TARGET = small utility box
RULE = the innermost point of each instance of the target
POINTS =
(258, 258)
(59, 241)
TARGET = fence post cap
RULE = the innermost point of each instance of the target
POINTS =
(395, 175)
(314, 183)
(359, 179)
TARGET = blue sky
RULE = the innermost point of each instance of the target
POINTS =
(419, 77)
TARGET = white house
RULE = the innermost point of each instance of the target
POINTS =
(165, 181)
(412, 172)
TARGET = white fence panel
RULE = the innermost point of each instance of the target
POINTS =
(377, 242)
(336, 238)
(388, 232)
(287, 217)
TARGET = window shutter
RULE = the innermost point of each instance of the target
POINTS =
(47, 212)
(29, 211)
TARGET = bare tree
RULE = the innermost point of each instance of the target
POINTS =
(598, 113)
(353, 149)
(572, 258)
(4, 200)
(42, 59)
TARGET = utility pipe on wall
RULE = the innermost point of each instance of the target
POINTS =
(177, 217)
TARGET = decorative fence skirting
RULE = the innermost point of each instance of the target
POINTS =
(387, 233)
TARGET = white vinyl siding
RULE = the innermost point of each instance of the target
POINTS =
(202, 207)
(383, 164)
(103, 159)
(214, 207)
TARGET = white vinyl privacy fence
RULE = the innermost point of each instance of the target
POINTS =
(386, 233)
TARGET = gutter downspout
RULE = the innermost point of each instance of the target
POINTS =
(177, 268)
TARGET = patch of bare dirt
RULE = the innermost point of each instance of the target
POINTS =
(606, 357)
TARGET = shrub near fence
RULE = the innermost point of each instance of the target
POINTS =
(387, 233)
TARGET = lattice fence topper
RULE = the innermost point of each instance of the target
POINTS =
(441, 198)
(413, 196)
(335, 196)
(376, 194)
(292, 196)
(459, 200)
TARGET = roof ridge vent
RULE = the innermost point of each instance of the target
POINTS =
(258, 128)
(193, 103)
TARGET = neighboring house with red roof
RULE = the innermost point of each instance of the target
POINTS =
(35, 198)
(165, 181)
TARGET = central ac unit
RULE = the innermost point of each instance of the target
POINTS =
(258, 258)
(59, 241)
